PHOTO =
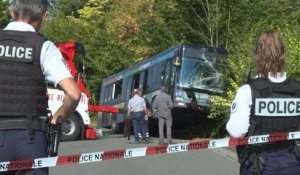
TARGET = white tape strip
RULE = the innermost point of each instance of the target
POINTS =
(145, 151)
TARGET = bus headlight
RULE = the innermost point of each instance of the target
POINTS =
(178, 93)
(180, 98)
(180, 104)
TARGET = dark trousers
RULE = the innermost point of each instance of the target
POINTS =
(138, 124)
(146, 126)
(17, 145)
(278, 163)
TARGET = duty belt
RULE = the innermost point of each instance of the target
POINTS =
(23, 123)
(279, 146)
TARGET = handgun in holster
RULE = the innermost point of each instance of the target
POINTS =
(54, 135)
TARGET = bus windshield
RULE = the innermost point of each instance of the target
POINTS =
(203, 72)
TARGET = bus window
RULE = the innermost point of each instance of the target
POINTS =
(158, 75)
(105, 94)
(167, 74)
(117, 89)
(145, 82)
(203, 72)
(135, 81)
(150, 84)
(108, 94)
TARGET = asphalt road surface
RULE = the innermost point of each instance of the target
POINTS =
(221, 161)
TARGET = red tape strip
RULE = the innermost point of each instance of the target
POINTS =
(147, 151)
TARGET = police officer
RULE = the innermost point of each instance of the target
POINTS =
(27, 59)
(267, 104)
(137, 110)
(163, 104)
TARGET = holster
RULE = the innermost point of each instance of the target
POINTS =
(242, 153)
(54, 136)
(257, 162)
(257, 159)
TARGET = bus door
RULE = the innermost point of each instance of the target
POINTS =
(108, 95)
(128, 90)
(105, 117)
(132, 83)
(143, 82)
(135, 82)
(169, 73)
(158, 75)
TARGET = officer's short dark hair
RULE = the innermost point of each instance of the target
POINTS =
(30, 10)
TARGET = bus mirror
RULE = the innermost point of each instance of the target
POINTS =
(177, 62)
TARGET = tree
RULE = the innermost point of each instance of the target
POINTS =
(142, 30)
(205, 21)
(66, 7)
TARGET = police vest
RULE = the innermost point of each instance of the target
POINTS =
(22, 86)
(275, 106)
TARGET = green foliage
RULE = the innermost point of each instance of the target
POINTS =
(4, 15)
(142, 30)
(66, 7)
(203, 21)
(57, 29)
(291, 34)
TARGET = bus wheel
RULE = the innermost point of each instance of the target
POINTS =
(71, 129)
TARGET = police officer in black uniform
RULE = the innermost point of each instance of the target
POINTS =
(268, 104)
(27, 59)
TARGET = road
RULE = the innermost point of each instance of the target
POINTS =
(206, 161)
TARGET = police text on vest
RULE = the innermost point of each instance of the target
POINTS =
(271, 107)
(16, 53)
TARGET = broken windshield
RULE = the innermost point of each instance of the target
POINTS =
(203, 72)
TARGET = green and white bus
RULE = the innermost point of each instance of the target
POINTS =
(191, 74)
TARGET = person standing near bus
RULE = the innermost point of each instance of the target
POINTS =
(266, 105)
(137, 111)
(145, 121)
(27, 59)
(163, 104)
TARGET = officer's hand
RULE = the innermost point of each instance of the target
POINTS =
(146, 117)
(54, 119)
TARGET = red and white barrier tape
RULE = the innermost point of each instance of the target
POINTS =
(144, 151)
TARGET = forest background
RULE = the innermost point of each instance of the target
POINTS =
(119, 33)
